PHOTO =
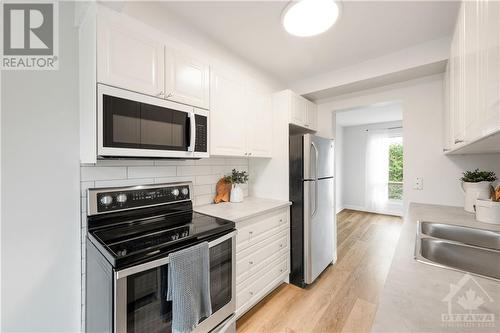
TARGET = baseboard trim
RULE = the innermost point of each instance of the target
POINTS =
(363, 209)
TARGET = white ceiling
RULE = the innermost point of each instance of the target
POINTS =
(372, 114)
(365, 30)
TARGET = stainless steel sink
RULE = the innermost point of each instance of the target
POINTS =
(475, 251)
(477, 237)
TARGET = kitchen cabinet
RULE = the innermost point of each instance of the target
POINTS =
(262, 257)
(472, 80)
(187, 80)
(240, 118)
(303, 112)
(259, 124)
(136, 58)
(129, 57)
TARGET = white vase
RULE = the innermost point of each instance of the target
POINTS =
(236, 193)
(474, 191)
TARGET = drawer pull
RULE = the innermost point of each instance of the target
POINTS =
(250, 232)
(281, 270)
(281, 220)
(250, 262)
(251, 293)
(281, 245)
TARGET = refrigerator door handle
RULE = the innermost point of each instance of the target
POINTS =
(313, 145)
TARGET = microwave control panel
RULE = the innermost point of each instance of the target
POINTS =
(201, 134)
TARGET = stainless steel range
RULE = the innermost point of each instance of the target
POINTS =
(131, 231)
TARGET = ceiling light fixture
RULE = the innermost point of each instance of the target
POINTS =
(307, 18)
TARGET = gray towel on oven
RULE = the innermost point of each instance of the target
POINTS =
(189, 287)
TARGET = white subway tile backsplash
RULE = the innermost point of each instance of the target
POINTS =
(194, 170)
(124, 182)
(174, 179)
(205, 180)
(151, 172)
(102, 173)
(204, 189)
(237, 161)
(211, 161)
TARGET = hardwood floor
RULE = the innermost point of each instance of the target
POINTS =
(344, 298)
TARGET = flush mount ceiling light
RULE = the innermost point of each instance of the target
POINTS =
(306, 18)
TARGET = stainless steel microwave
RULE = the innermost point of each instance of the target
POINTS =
(130, 124)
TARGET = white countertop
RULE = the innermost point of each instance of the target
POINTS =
(236, 212)
(412, 299)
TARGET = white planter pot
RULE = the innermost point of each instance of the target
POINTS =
(488, 211)
(236, 193)
(474, 191)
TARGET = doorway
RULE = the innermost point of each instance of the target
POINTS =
(369, 158)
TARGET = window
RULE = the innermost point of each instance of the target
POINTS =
(395, 184)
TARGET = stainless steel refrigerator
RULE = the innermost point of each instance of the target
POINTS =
(313, 224)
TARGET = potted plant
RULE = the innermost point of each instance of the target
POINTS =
(476, 185)
(236, 178)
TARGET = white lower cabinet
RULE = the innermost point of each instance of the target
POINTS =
(262, 257)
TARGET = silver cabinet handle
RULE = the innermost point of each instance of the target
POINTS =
(169, 95)
(250, 262)
(446, 149)
(458, 141)
(315, 180)
(246, 154)
(249, 154)
(160, 94)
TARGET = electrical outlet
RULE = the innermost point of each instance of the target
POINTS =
(418, 184)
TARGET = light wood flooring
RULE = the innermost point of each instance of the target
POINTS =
(344, 298)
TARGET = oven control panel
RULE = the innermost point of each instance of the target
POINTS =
(116, 199)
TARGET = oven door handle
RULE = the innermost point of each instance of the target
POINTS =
(192, 131)
(164, 261)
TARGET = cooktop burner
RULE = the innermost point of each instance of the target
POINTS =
(131, 233)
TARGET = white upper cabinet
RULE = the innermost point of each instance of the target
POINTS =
(240, 118)
(127, 57)
(187, 80)
(472, 118)
(259, 124)
(228, 123)
(298, 110)
(312, 115)
(303, 113)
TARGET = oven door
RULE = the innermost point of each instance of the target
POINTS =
(141, 304)
(136, 125)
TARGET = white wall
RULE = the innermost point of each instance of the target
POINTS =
(339, 157)
(40, 193)
(353, 166)
(422, 103)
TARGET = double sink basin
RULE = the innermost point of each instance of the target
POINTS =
(471, 250)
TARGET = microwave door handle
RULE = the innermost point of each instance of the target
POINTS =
(192, 131)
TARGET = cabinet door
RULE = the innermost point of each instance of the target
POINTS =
(472, 84)
(227, 116)
(491, 119)
(260, 124)
(187, 80)
(298, 110)
(447, 135)
(312, 116)
(128, 58)
(460, 79)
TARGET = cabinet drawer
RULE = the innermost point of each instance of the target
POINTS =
(248, 296)
(253, 259)
(256, 230)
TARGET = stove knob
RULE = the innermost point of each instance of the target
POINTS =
(185, 191)
(121, 198)
(175, 192)
(106, 200)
